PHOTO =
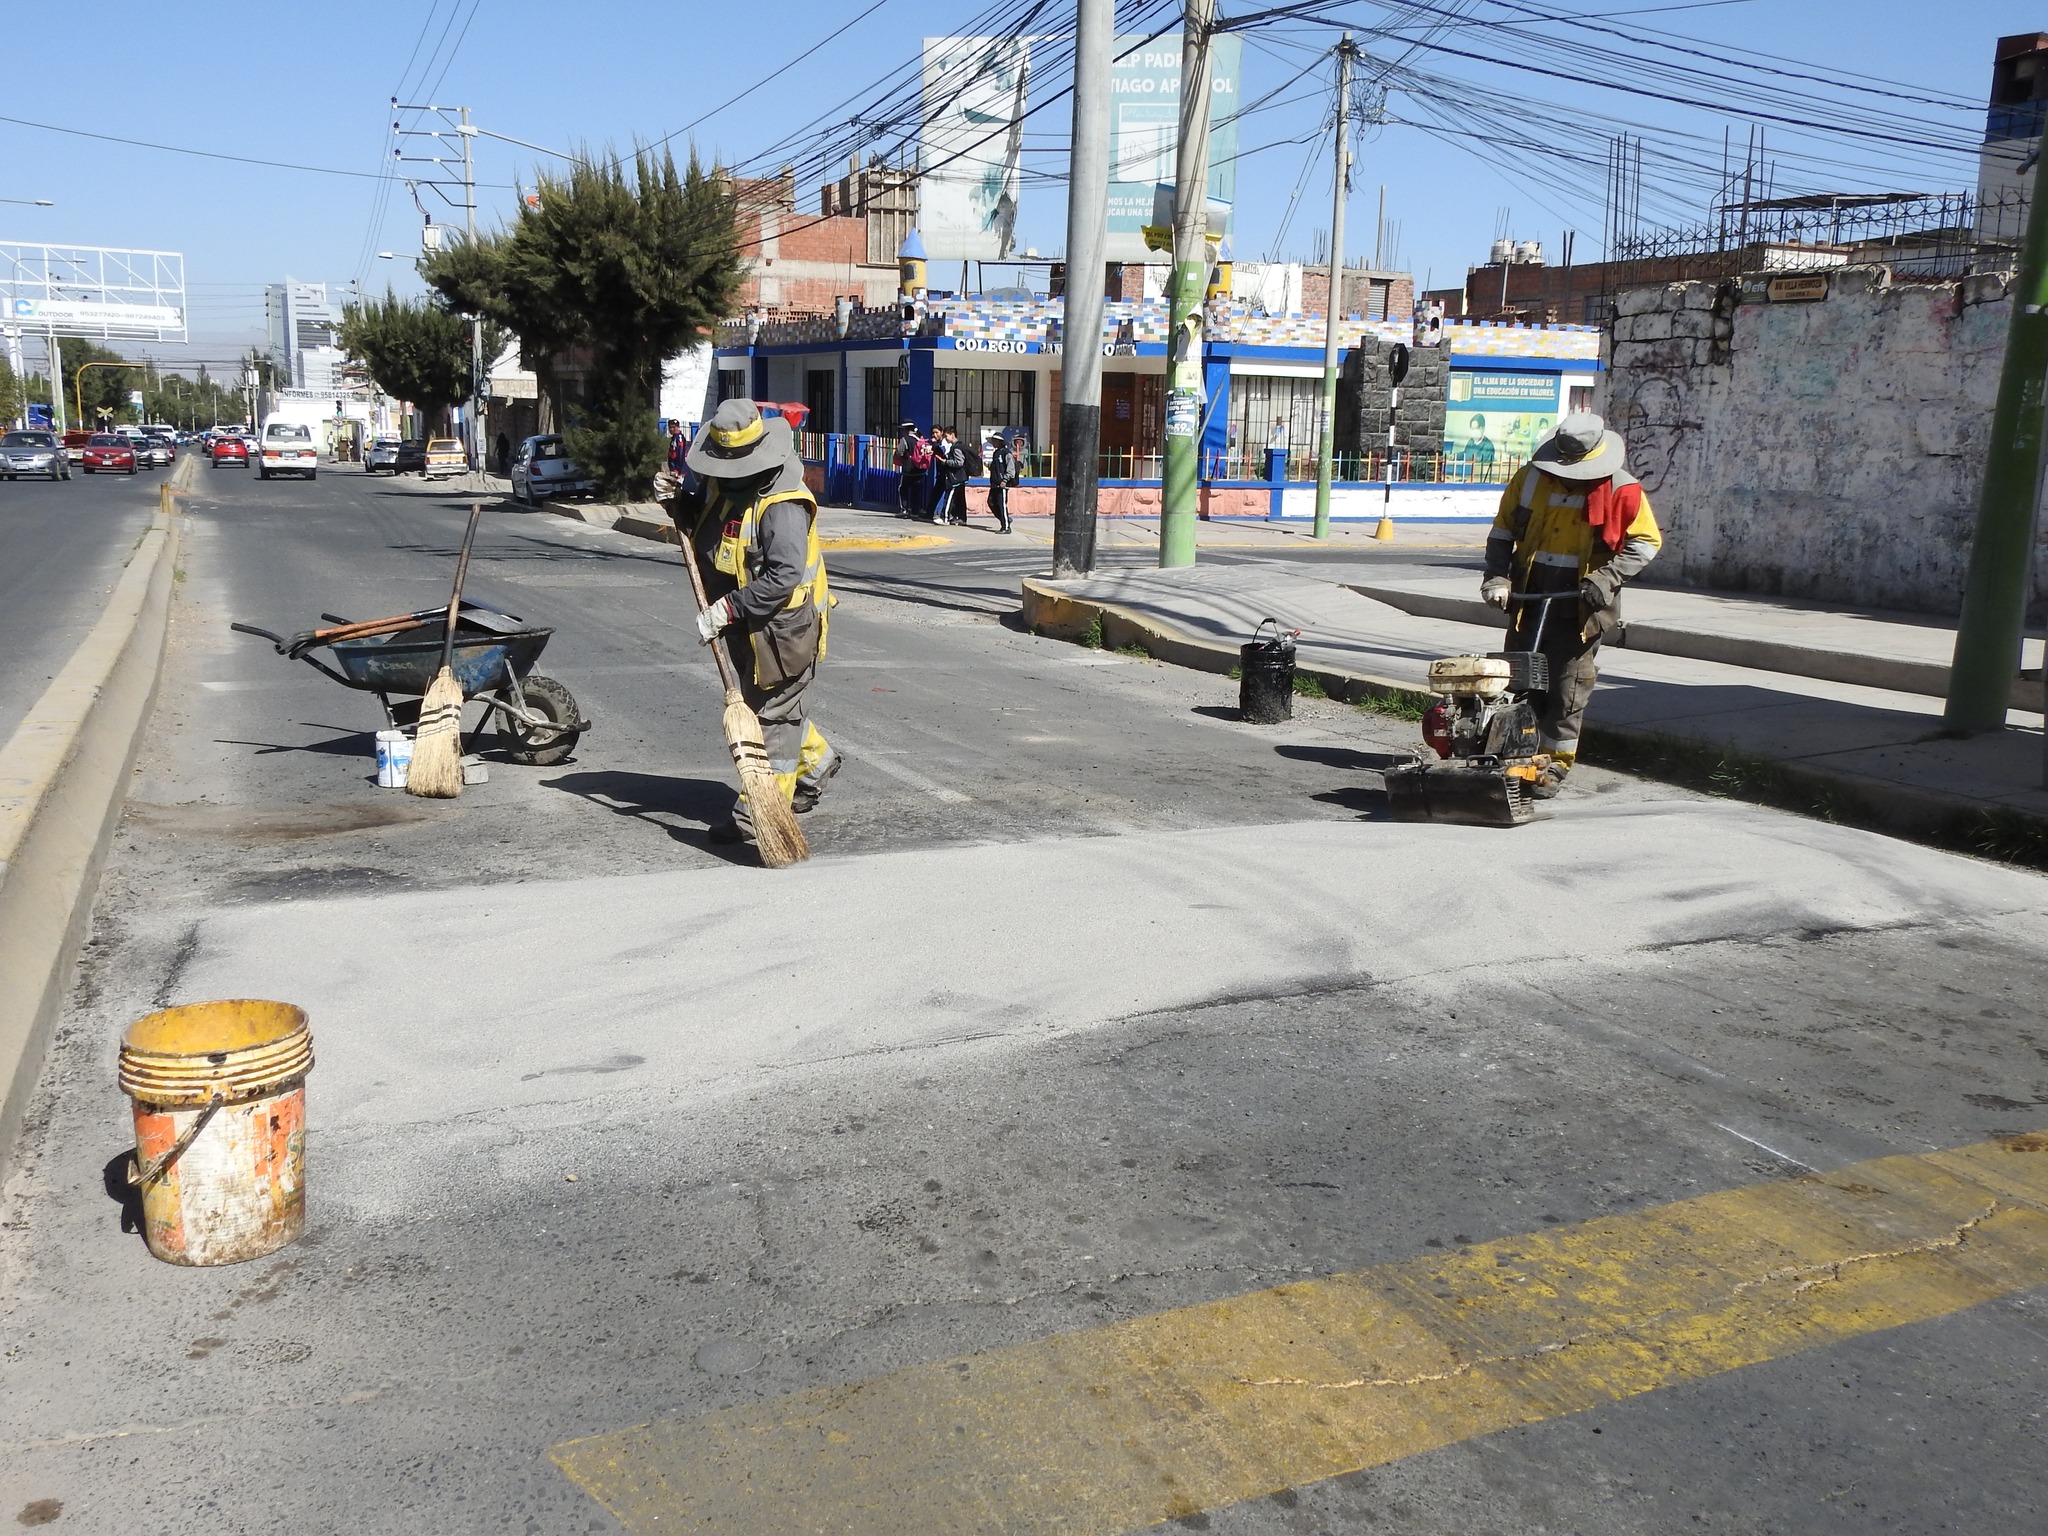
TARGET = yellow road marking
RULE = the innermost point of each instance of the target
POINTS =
(1127, 1425)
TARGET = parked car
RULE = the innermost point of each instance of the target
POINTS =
(445, 456)
(385, 455)
(74, 444)
(287, 449)
(33, 453)
(230, 450)
(542, 469)
(412, 456)
(105, 451)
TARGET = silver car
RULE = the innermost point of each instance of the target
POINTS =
(543, 469)
(33, 453)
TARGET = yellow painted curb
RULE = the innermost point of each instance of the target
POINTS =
(882, 542)
(63, 780)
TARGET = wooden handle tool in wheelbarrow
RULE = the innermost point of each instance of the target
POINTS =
(436, 771)
(776, 835)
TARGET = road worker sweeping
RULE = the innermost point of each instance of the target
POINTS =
(753, 530)
(1572, 519)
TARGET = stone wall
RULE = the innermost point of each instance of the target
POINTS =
(1830, 449)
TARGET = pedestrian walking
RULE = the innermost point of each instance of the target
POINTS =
(913, 463)
(1573, 519)
(949, 467)
(1001, 475)
(755, 537)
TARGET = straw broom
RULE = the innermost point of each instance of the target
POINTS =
(776, 834)
(436, 771)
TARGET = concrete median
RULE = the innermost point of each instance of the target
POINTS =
(63, 781)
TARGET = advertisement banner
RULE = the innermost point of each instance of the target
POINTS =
(974, 95)
(1144, 129)
(1493, 421)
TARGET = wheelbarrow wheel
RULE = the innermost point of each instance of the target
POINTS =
(537, 746)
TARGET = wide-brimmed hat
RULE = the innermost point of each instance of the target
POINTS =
(1582, 448)
(738, 442)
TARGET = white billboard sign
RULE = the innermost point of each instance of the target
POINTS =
(113, 317)
(974, 94)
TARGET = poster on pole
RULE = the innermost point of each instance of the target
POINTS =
(973, 133)
(1144, 131)
(1494, 420)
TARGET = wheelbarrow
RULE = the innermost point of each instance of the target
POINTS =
(539, 721)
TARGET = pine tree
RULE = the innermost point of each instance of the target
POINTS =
(632, 268)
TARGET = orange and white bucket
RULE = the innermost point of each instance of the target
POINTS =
(219, 1094)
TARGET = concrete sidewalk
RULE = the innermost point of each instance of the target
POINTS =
(1869, 754)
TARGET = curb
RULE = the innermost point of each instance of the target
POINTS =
(63, 783)
(1929, 679)
(1826, 793)
(1048, 611)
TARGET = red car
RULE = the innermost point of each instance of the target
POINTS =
(230, 450)
(103, 450)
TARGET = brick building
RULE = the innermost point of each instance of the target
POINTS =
(802, 263)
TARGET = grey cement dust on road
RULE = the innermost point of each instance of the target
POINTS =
(1108, 1004)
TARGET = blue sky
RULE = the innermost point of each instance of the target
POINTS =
(273, 83)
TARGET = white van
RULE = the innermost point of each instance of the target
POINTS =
(287, 448)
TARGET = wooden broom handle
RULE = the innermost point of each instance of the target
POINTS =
(717, 641)
(476, 511)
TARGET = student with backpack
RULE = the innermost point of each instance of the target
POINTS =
(1002, 474)
(913, 463)
(949, 464)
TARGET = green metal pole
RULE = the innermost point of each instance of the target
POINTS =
(1326, 424)
(1180, 490)
(1987, 655)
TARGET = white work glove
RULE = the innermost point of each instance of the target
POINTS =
(713, 619)
(1495, 590)
(666, 483)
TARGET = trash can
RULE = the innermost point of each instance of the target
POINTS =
(1265, 687)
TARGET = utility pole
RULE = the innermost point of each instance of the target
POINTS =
(476, 322)
(1987, 652)
(464, 132)
(1180, 501)
(1080, 446)
(1341, 184)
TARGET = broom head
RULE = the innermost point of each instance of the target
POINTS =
(436, 771)
(776, 834)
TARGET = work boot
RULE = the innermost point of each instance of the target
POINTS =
(810, 789)
(1548, 781)
(728, 832)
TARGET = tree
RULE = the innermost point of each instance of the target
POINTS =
(417, 350)
(98, 388)
(632, 267)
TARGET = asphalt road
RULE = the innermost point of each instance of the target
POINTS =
(64, 544)
(1094, 1004)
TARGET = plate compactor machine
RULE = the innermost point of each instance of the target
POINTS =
(1483, 729)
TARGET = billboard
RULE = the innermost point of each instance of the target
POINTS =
(974, 93)
(68, 316)
(1493, 421)
(1144, 130)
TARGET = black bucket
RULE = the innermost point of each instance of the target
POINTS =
(1265, 687)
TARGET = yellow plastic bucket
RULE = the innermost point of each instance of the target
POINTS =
(219, 1094)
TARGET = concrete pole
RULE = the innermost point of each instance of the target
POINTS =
(1987, 654)
(1327, 417)
(1080, 447)
(1181, 482)
(476, 324)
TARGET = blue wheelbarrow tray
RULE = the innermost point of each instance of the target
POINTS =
(406, 663)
